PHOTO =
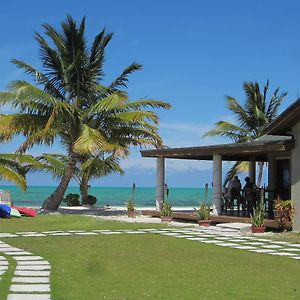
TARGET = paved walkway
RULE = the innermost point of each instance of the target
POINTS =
(31, 276)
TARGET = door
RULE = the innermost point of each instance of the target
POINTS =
(283, 179)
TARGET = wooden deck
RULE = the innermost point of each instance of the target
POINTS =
(230, 217)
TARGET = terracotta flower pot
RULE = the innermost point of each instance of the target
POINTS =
(204, 223)
(166, 219)
(258, 229)
(131, 214)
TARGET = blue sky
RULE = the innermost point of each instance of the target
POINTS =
(194, 53)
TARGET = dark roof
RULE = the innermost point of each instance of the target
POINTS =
(286, 120)
(257, 149)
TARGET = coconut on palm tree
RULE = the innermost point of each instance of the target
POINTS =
(69, 103)
(252, 118)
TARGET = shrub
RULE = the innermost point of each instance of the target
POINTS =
(91, 200)
(203, 212)
(72, 200)
(284, 212)
(166, 210)
(130, 205)
(258, 217)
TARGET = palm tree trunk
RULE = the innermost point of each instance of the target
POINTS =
(53, 201)
(260, 173)
(84, 190)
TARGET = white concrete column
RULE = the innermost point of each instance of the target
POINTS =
(217, 184)
(295, 176)
(252, 170)
(160, 181)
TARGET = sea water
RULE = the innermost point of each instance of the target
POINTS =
(113, 196)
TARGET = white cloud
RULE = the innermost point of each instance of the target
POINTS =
(188, 134)
(177, 135)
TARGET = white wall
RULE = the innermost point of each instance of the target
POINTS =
(295, 174)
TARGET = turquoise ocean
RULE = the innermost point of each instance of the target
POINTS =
(113, 196)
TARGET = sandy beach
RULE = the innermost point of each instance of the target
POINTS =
(117, 214)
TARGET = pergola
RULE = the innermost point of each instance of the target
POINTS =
(257, 150)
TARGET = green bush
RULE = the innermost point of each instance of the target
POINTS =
(130, 205)
(258, 217)
(72, 199)
(284, 213)
(203, 212)
(91, 200)
(166, 210)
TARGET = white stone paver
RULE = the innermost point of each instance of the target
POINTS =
(85, 233)
(5, 235)
(32, 273)
(280, 243)
(197, 239)
(17, 253)
(211, 241)
(111, 232)
(30, 288)
(20, 258)
(291, 249)
(28, 297)
(30, 279)
(282, 253)
(295, 245)
(228, 244)
(60, 234)
(269, 246)
(33, 268)
(263, 250)
(245, 247)
(35, 262)
(33, 235)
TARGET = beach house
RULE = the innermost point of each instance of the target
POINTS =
(279, 148)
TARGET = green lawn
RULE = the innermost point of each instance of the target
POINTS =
(149, 266)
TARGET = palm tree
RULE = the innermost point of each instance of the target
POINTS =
(73, 106)
(252, 118)
(96, 167)
(87, 168)
(14, 167)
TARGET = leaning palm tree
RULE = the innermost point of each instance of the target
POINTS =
(252, 118)
(88, 168)
(69, 103)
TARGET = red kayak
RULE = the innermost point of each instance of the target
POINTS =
(30, 212)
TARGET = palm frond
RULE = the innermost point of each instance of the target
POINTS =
(122, 80)
(91, 141)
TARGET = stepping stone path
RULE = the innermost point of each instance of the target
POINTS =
(31, 280)
(31, 277)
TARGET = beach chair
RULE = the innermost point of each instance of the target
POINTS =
(5, 197)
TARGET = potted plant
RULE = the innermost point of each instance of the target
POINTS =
(284, 212)
(131, 209)
(203, 214)
(166, 212)
(257, 219)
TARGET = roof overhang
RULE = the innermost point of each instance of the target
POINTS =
(257, 150)
(286, 120)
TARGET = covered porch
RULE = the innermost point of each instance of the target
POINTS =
(273, 150)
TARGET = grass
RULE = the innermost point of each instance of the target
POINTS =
(149, 266)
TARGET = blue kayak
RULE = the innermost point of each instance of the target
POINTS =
(4, 210)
